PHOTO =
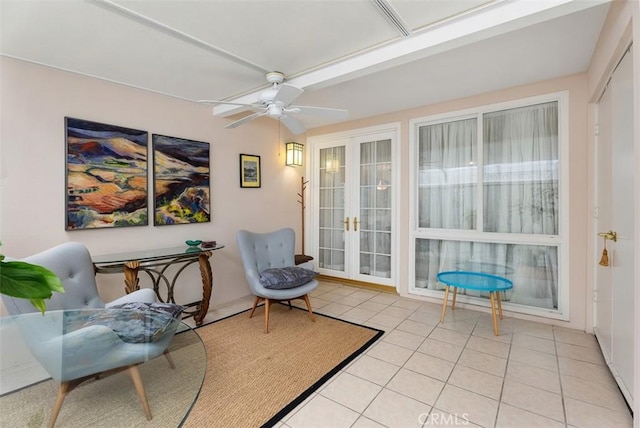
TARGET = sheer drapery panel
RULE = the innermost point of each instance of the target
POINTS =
(518, 175)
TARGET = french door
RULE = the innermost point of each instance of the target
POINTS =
(353, 215)
(614, 307)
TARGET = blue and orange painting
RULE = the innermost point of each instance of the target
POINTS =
(106, 175)
(181, 180)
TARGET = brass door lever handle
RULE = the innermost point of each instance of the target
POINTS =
(610, 235)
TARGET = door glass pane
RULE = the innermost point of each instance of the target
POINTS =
(331, 233)
(338, 218)
(383, 266)
(375, 208)
(447, 175)
(367, 197)
(325, 238)
(532, 268)
(366, 263)
(325, 217)
(367, 175)
(367, 242)
(383, 152)
(337, 260)
(383, 243)
(383, 219)
(366, 217)
(521, 170)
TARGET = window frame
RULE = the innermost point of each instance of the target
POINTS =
(475, 235)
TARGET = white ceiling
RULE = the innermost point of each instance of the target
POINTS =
(344, 53)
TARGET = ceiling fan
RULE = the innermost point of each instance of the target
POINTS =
(276, 102)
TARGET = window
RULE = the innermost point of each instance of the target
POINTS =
(487, 188)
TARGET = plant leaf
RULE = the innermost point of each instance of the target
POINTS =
(39, 304)
(28, 281)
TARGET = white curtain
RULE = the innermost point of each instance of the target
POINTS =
(520, 196)
(448, 175)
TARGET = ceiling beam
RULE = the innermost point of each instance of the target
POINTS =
(489, 22)
(177, 34)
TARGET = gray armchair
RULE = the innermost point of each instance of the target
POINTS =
(72, 263)
(75, 340)
(263, 251)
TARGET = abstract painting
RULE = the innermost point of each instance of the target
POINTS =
(106, 175)
(249, 171)
(180, 180)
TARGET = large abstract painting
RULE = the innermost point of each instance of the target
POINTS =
(181, 180)
(106, 175)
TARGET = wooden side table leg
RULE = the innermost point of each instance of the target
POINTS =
(455, 294)
(493, 312)
(444, 303)
(131, 276)
(207, 283)
(499, 296)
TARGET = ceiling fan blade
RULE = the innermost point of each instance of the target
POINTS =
(245, 120)
(293, 124)
(287, 93)
(333, 113)
(231, 104)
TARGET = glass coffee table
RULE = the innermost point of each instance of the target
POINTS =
(478, 281)
(171, 383)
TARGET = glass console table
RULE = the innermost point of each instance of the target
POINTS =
(156, 264)
(63, 344)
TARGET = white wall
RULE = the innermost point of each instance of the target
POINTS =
(34, 101)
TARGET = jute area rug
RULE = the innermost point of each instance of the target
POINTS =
(252, 379)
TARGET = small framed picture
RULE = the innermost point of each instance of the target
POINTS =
(249, 170)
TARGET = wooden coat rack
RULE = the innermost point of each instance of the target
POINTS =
(302, 258)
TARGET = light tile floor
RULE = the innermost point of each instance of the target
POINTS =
(422, 373)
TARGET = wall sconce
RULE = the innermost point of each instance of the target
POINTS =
(294, 154)
(333, 164)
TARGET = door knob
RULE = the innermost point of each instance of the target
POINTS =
(346, 223)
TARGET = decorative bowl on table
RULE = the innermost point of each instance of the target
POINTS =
(193, 243)
(209, 244)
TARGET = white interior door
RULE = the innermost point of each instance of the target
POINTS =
(331, 200)
(614, 308)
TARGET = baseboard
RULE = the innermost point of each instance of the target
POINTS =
(360, 284)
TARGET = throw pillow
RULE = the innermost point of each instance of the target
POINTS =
(286, 277)
(139, 322)
(172, 309)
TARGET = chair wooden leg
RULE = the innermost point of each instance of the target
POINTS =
(308, 302)
(62, 393)
(267, 305)
(134, 372)
(167, 355)
(255, 304)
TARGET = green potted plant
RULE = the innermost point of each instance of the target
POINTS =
(28, 281)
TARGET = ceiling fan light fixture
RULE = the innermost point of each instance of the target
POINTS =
(274, 110)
